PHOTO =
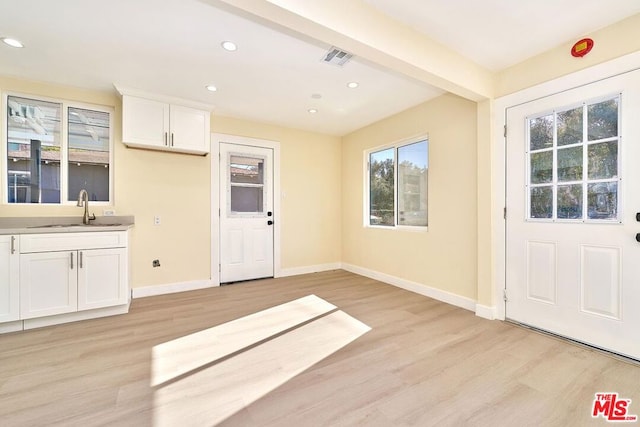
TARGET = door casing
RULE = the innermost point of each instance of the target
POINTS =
(216, 139)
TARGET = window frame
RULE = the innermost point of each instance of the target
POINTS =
(64, 148)
(367, 184)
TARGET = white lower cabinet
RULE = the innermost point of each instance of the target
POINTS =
(48, 284)
(9, 279)
(102, 278)
(74, 272)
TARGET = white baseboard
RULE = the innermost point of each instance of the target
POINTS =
(485, 311)
(438, 294)
(170, 288)
(295, 271)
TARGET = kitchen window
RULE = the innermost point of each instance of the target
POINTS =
(55, 148)
(397, 178)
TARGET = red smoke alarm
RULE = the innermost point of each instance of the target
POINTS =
(581, 48)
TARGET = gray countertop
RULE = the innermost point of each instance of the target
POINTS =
(63, 224)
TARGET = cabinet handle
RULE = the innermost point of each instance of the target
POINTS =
(165, 139)
(13, 245)
(72, 260)
(172, 139)
(80, 260)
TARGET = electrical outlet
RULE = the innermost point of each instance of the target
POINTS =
(156, 263)
(157, 220)
(108, 212)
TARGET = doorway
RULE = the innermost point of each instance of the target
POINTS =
(572, 196)
(245, 209)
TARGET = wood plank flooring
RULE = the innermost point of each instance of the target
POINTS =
(423, 363)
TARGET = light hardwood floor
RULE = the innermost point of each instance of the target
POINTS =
(422, 363)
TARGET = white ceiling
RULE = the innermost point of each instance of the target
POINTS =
(172, 47)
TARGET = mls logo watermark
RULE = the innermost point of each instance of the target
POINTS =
(612, 408)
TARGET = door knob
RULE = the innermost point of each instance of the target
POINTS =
(271, 223)
(638, 216)
(638, 237)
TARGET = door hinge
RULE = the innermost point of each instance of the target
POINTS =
(505, 131)
(504, 295)
(219, 268)
(504, 212)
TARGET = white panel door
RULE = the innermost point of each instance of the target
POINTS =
(246, 212)
(48, 283)
(102, 278)
(573, 191)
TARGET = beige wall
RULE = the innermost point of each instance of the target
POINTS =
(177, 187)
(444, 257)
(610, 42)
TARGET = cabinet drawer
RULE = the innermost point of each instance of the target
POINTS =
(72, 241)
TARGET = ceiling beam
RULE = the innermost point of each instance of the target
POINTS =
(362, 30)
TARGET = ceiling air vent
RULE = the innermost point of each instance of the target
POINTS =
(337, 57)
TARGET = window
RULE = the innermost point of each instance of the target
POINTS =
(397, 178)
(573, 163)
(55, 149)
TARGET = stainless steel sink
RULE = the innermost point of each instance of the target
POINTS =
(73, 225)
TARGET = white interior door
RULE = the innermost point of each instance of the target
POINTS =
(573, 191)
(246, 212)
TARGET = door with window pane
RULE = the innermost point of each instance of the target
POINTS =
(246, 212)
(573, 191)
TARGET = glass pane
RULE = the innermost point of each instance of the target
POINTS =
(541, 202)
(542, 167)
(541, 132)
(570, 126)
(89, 154)
(381, 182)
(33, 151)
(603, 160)
(570, 164)
(246, 199)
(602, 119)
(412, 184)
(246, 170)
(603, 200)
(570, 201)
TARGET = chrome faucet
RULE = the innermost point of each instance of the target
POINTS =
(83, 197)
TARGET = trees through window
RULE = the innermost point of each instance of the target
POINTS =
(397, 185)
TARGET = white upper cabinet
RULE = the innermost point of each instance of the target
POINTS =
(160, 125)
(145, 122)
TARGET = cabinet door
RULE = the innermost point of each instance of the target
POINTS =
(102, 278)
(48, 284)
(189, 130)
(9, 279)
(145, 122)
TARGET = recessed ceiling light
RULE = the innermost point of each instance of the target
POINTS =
(230, 46)
(312, 110)
(12, 42)
(211, 88)
(353, 85)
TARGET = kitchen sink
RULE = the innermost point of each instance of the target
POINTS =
(73, 225)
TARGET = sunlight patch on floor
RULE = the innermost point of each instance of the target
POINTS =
(210, 394)
(182, 355)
